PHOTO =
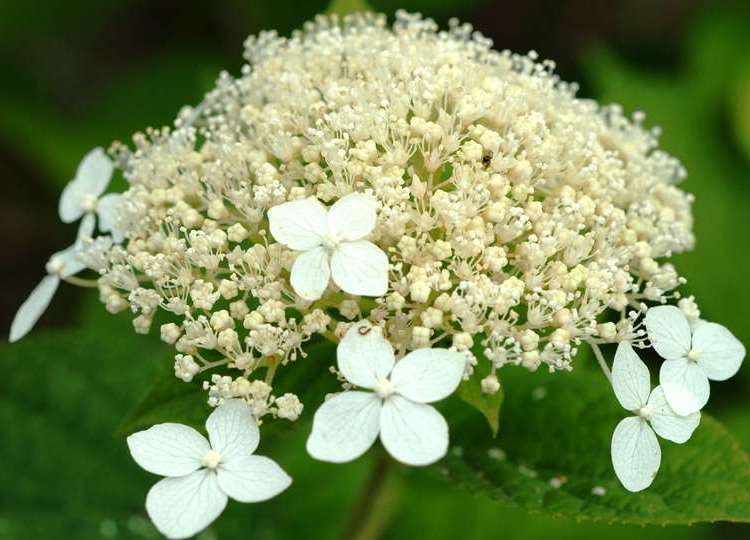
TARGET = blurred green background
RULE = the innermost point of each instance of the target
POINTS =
(82, 73)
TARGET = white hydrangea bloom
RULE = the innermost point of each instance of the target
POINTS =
(332, 245)
(636, 455)
(508, 207)
(202, 474)
(693, 355)
(82, 197)
(397, 409)
(515, 216)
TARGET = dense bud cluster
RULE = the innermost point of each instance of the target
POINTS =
(513, 214)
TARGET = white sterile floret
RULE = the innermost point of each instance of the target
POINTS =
(201, 474)
(82, 197)
(397, 409)
(332, 245)
(636, 455)
(692, 354)
(61, 265)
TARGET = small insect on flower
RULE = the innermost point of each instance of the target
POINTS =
(332, 244)
(636, 455)
(693, 354)
(397, 409)
(202, 474)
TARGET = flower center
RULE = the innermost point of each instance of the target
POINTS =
(55, 266)
(88, 202)
(212, 459)
(646, 412)
(693, 355)
(383, 388)
(331, 242)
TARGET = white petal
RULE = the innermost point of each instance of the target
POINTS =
(353, 216)
(667, 423)
(685, 386)
(168, 449)
(364, 356)
(636, 455)
(311, 273)
(87, 226)
(91, 179)
(720, 354)
(252, 479)
(233, 430)
(68, 260)
(413, 433)
(33, 307)
(630, 378)
(360, 268)
(428, 375)
(669, 331)
(108, 210)
(183, 506)
(344, 427)
(300, 225)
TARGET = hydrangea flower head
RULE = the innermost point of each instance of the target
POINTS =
(423, 201)
(469, 191)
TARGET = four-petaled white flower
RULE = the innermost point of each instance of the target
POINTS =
(415, 433)
(693, 355)
(332, 244)
(60, 266)
(636, 454)
(202, 474)
(82, 197)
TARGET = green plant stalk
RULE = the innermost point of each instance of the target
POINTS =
(374, 507)
(345, 7)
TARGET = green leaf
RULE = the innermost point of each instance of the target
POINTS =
(62, 393)
(488, 404)
(557, 429)
(63, 473)
(168, 400)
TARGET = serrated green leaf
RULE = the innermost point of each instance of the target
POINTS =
(554, 450)
(487, 404)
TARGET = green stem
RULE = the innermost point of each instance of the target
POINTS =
(602, 361)
(79, 282)
(373, 509)
(345, 7)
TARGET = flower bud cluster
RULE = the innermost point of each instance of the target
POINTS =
(514, 214)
